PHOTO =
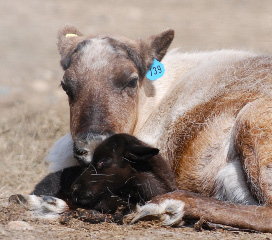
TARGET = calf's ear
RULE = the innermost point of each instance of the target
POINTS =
(142, 153)
(156, 46)
(68, 39)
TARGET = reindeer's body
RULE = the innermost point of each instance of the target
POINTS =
(211, 118)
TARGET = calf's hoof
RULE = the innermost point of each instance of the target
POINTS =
(41, 206)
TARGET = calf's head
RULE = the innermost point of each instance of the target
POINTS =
(102, 78)
(124, 171)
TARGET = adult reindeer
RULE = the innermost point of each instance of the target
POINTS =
(210, 114)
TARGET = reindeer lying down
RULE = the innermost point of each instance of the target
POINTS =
(126, 172)
(209, 114)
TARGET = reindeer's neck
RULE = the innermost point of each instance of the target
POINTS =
(153, 92)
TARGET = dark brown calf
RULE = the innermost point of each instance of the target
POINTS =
(124, 171)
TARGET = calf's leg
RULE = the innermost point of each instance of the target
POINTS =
(52, 195)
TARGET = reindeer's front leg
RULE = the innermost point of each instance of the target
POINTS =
(171, 208)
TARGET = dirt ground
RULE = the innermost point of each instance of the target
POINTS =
(34, 110)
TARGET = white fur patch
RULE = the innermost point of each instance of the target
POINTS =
(96, 55)
(170, 212)
(45, 207)
(231, 185)
(61, 155)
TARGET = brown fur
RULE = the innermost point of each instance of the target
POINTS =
(119, 71)
(253, 146)
(194, 136)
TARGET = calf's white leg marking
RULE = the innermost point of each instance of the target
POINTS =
(45, 207)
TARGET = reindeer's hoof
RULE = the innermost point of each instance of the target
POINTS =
(169, 212)
(43, 207)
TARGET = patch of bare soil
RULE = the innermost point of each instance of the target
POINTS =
(34, 110)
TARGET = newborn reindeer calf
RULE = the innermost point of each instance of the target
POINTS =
(125, 171)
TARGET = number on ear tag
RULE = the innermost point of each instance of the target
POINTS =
(156, 70)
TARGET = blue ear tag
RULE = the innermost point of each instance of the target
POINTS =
(156, 70)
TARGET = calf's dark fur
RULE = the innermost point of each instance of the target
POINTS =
(123, 170)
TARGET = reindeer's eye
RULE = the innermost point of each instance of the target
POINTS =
(133, 82)
(67, 90)
(104, 162)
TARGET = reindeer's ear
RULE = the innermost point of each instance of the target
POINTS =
(142, 153)
(68, 39)
(156, 46)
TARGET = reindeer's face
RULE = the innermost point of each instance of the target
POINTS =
(103, 75)
(118, 171)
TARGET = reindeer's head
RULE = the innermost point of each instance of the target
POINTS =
(124, 169)
(103, 75)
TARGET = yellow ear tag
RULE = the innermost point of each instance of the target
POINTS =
(70, 35)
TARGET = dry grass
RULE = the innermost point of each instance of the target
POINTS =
(25, 136)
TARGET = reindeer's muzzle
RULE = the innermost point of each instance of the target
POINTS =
(85, 144)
